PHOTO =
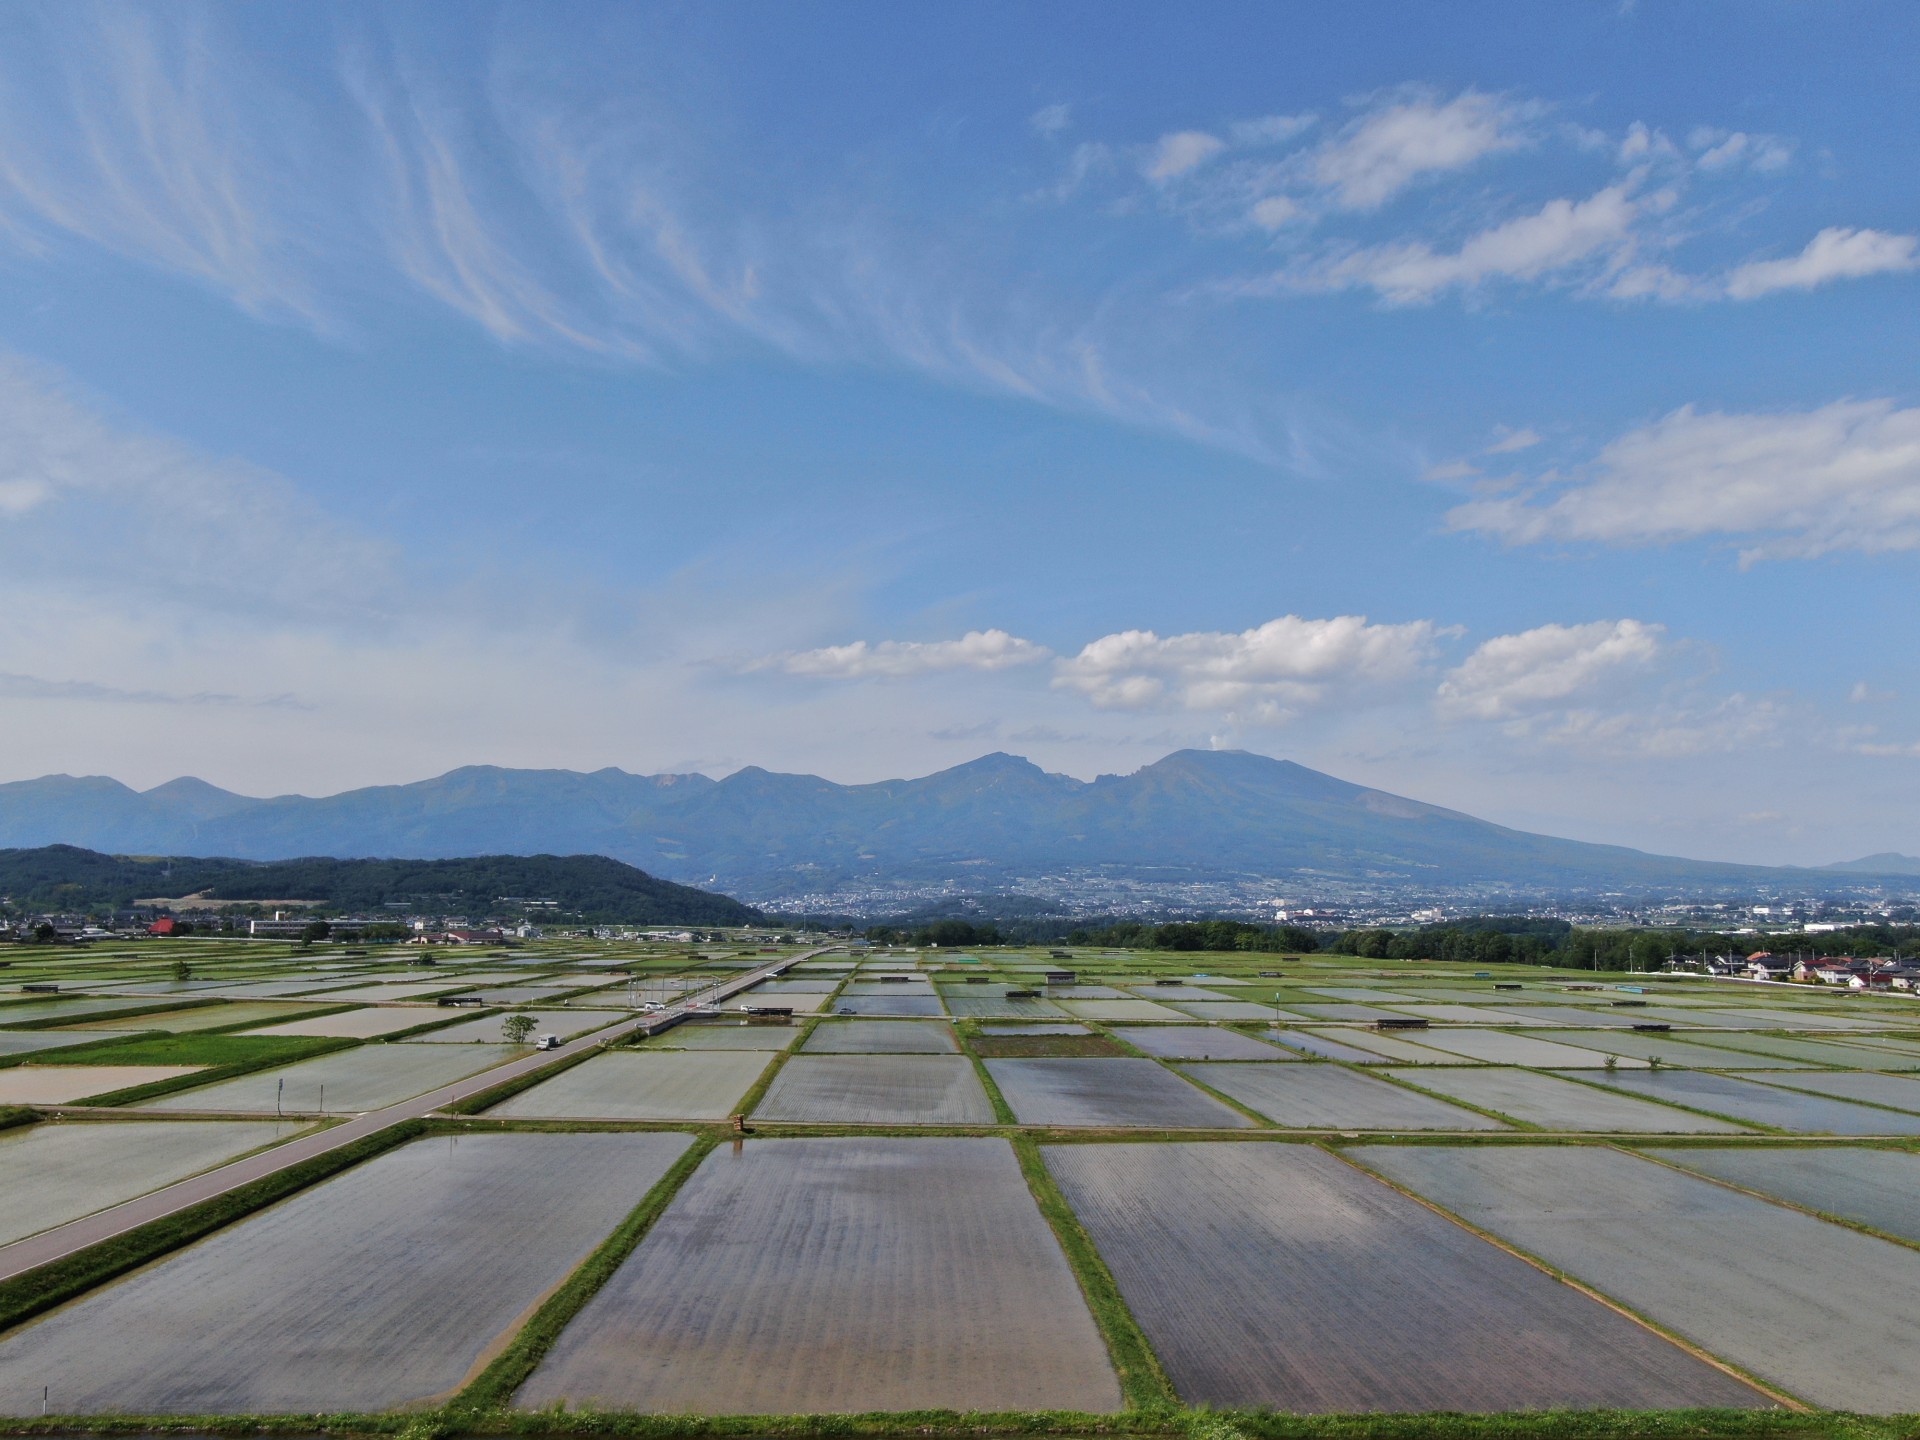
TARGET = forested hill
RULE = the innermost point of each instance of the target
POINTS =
(591, 887)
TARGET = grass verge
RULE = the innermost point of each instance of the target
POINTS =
(14, 1115)
(1143, 1382)
(494, 1387)
(25, 1296)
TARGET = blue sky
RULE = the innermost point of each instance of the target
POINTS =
(1508, 405)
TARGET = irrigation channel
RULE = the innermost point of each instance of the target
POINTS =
(64, 1240)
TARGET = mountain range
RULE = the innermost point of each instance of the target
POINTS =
(992, 825)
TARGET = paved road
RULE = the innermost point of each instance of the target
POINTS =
(76, 1235)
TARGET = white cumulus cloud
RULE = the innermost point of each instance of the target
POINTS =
(1546, 666)
(860, 660)
(1382, 152)
(1269, 672)
(1842, 477)
(1835, 253)
(1180, 152)
(1561, 234)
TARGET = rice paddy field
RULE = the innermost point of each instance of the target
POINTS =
(1310, 1186)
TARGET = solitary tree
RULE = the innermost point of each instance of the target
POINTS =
(517, 1027)
(182, 970)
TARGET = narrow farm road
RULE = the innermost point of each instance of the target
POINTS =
(76, 1235)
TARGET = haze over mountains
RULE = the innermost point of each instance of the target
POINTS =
(996, 823)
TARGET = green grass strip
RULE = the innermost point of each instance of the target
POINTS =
(225, 1057)
(15, 1115)
(25, 1296)
(1002, 1111)
(1143, 1382)
(494, 1387)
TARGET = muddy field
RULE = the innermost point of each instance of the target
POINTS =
(1313, 1097)
(1747, 1280)
(1279, 1275)
(889, 1004)
(643, 1085)
(1123, 1091)
(1328, 1046)
(822, 1275)
(1496, 1047)
(1558, 1104)
(1740, 1099)
(1198, 1042)
(1121, 1010)
(729, 1035)
(361, 1024)
(58, 1171)
(488, 1028)
(363, 1078)
(60, 1084)
(1672, 1050)
(382, 1286)
(877, 1090)
(1902, 1092)
(1880, 1188)
(206, 1017)
(883, 1037)
(32, 1042)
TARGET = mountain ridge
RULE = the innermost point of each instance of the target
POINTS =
(1193, 816)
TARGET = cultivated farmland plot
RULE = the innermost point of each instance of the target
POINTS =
(487, 1028)
(1325, 1045)
(60, 1170)
(1455, 1014)
(1373, 1044)
(60, 1084)
(21, 1011)
(1121, 1010)
(643, 1085)
(1177, 992)
(1763, 1104)
(1225, 1010)
(1358, 992)
(1198, 1042)
(1279, 1275)
(822, 1275)
(1557, 1104)
(1895, 1090)
(402, 990)
(1120, 1091)
(1497, 1047)
(1880, 1188)
(1347, 1013)
(360, 1024)
(204, 1017)
(1669, 1049)
(987, 1007)
(1745, 1280)
(30, 1042)
(363, 1078)
(804, 1003)
(383, 1286)
(883, 1037)
(796, 987)
(1316, 1097)
(889, 1004)
(1866, 1055)
(728, 1035)
(877, 1090)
